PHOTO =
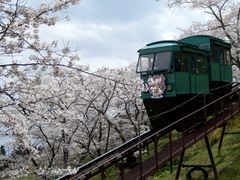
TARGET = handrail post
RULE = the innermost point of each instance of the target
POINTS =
(122, 167)
(156, 151)
(231, 110)
(140, 160)
(238, 106)
(205, 111)
(221, 138)
(103, 176)
(183, 134)
(194, 116)
(211, 158)
(170, 146)
(179, 166)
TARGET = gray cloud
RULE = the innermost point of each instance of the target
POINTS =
(110, 32)
(115, 11)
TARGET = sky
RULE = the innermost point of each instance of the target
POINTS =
(108, 33)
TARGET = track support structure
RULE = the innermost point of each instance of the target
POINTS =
(222, 136)
(213, 165)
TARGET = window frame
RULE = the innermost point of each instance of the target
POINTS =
(151, 70)
(152, 63)
(169, 61)
(186, 61)
(221, 55)
(227, 57)
(195, 68)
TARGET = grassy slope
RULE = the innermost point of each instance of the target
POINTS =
(227, 162)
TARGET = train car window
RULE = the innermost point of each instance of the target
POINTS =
(214, 54)
(221, 56)
(181, 62)
(162, 61)
(194, 64)
(227, 57)
(204, 47)
(201, 63)
(145, 63)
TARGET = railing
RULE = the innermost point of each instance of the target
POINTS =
(186, 138)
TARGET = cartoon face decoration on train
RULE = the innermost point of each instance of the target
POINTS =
(155, 85)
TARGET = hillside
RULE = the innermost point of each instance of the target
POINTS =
(227, 161)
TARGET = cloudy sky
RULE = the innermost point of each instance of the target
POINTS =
(109, 32)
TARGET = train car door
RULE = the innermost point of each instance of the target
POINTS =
(225, 64)
(215, 73)
(199, 74)
(220, 63)
(182, 73)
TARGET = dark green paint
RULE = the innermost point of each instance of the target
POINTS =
(182, 83)
(217, 71)
(214, 71)
(190, 82)
(204, 39)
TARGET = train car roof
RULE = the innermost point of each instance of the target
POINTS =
(204, 39)
(169, 45)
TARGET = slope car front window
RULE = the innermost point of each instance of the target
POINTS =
(162, 61)
(145, 63)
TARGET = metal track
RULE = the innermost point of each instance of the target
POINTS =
(105, 159)
(175, 148)
(161, 155)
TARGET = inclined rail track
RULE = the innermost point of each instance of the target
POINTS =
(175, 148)
(162, 155)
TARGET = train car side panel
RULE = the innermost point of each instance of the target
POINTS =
(182, 83)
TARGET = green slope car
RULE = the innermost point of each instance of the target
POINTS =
(175, 72)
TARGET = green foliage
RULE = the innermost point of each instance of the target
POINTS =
(164, 172)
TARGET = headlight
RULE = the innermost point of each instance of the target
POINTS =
(169, 87)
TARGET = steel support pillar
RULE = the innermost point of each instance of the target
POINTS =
(213, 166)
(222, 136)
(179, 166)
(211, 158)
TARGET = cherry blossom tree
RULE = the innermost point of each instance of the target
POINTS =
(223, 21)
(75, 115)
(23, 57)
(54, 111)
(115, 108)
